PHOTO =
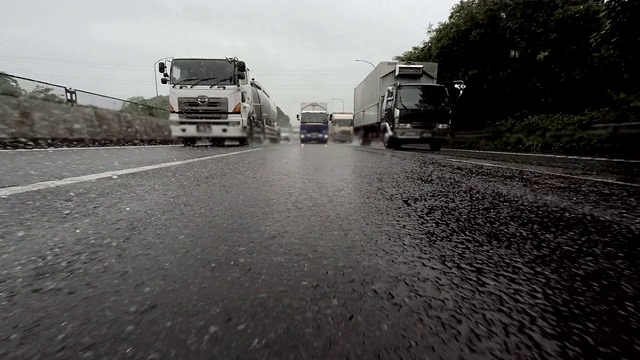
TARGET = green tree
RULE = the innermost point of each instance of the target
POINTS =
(534, 57)
(139, 105)
(46, 93)
(9, 86)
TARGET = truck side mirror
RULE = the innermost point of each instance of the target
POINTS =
(298, 117)
(164, 80)
(242, 67)
(242, 75)
(161, 68)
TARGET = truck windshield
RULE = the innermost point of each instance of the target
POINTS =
(343, 122)
(204, 71)
(418, 97)
(319, 118)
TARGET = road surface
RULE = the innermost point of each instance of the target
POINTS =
(313, 251)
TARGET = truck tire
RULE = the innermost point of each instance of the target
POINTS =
(244, 142)
(435, 145)
(392, 144)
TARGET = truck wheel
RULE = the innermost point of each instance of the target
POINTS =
(244, 142)
(275, 141)
(435, 145)
(391, 143)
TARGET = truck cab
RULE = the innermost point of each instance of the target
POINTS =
(314, 123)
(341, 127)
(210, 99)
(416, 113)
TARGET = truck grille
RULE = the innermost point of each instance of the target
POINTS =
(423, 125)
(214, 108)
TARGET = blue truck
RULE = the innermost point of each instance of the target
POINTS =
(314, 123)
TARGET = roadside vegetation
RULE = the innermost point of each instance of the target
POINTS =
(540, 74)
(157, 106)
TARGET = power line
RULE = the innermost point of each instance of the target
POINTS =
(80, 63)
(144, 68)
(56, 76)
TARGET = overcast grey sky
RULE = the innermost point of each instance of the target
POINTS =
(299, 50)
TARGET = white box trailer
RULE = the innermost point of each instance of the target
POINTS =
(423, 116)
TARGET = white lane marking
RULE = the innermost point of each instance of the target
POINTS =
(86, 148)
(55, 183)
(540, 172)
(544, 155)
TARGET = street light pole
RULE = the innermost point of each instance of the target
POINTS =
(155, 77)
(366, 61)
(341, 101)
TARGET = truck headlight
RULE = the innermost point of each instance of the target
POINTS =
(301, 135)
(442, 126)
(234, 123)
(404, 126)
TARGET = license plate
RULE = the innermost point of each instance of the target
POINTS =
(426, 134)
(314, 135)
(203, 128)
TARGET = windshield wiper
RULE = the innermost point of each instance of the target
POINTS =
(221, 80)
(403, 105)
(183, 80)
(203, 79)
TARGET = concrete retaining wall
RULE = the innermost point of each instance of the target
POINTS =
(34, 120)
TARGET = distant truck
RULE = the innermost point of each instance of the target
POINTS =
(314, 122)
(214, 99)
(341, 127)
(404, 104)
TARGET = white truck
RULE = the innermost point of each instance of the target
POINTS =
(341, 127)
(314, 122)
(404, 104)
(214, 99)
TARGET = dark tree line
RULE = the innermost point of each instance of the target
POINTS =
(524, 58)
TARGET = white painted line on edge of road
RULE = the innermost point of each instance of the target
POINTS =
(85, 148)
(543, 155)
(55, 183)
(540, 172)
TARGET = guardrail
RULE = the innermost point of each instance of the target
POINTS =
(20, 86)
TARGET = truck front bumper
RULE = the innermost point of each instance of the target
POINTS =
(319, 138)
(416, 136)
(231, 128)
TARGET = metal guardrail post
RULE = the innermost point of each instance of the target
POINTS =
(72, 97)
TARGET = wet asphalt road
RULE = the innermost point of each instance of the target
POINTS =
(313, 252)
